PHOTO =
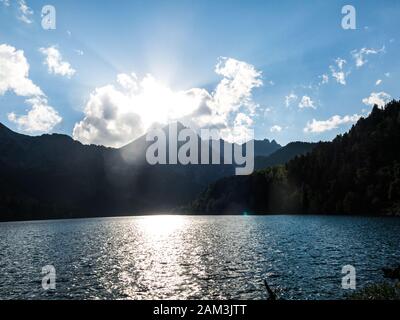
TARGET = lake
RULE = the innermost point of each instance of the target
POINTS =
(195, 257)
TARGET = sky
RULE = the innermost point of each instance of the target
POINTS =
(110, 71)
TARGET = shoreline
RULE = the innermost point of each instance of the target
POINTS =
(121, 216)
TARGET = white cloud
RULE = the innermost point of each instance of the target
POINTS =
(55, 63)
(14, 76)
(109, 119)
(41, 117)
(116, 115)
(128, 82)
(378, 82)
(275, 128)
(325, 79)
(338, 72)
(306, 102)
(359, 55)
(316, 126)
(234, 90)
(14, 72)
(377, 98)
(240, 132)
(340, 63)
(25, 13)
(243, 119)
(290, 98)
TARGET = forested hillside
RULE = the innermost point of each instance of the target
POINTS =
(356, 173)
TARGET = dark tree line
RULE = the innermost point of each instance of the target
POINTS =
(357, 173)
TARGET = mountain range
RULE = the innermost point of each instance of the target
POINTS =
(54, 176)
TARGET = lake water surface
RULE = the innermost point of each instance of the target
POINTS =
(195, 257)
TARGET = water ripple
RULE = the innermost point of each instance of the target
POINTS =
(194, 257)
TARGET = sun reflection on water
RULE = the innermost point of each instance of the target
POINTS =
(155, 256)
(161, 225)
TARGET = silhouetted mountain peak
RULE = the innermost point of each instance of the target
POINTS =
(284, 154)
(62, 138)
(265, 147)
(4, 129)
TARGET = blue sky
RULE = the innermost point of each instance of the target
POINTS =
(288, 45)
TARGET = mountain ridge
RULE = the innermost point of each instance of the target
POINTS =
(357, 173)
(55, 176)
